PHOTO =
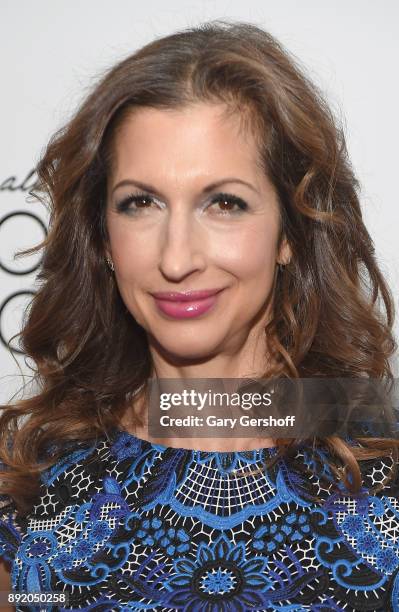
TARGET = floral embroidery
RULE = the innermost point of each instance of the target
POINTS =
(98, 531)
(353, 525)
(63, 561)
(268, 538)
(367, 544)
(126, 446)
(219, 578)
(38, 546)
(155, 532)
(387, 561)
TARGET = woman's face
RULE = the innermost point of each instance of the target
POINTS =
(180, 235)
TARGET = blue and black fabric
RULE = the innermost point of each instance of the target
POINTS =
(123, 524)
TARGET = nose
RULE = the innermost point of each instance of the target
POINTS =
(183, 246)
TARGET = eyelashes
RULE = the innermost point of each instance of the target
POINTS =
(125, 205)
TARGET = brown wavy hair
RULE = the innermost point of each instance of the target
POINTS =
(333, 312)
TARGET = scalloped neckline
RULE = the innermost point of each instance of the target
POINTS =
(267, 449)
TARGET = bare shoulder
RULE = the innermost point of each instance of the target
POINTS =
(5, 584)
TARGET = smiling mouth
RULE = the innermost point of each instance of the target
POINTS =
(186, 305)
(185, 296)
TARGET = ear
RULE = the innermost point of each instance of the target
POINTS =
(285, 253)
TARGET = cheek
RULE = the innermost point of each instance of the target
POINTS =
(134, 258)
(132, 252)
(249, 254)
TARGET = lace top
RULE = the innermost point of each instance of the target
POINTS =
(123, 524)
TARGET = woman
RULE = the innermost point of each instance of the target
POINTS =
(204, 161)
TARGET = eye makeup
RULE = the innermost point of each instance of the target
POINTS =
(125, 205)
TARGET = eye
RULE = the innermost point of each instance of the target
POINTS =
(141, 201)
(228, 202)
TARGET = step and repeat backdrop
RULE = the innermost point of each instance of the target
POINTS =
(22, 225)
(53, 52)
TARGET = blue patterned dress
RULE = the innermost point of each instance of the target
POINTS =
(123, 524)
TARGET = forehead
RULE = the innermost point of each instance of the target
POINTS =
(202, 136)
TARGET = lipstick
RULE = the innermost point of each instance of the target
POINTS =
(186, 304)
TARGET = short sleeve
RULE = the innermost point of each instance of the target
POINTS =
(10, 534)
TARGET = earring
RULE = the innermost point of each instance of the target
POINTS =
(281, 266)
(110, 264)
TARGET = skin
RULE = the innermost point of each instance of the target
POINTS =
(179, 240)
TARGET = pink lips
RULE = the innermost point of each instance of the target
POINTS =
(187, 304)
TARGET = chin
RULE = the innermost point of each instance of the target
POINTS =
(190, 347)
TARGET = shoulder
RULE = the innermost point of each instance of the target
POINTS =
(73, 457)
(77, 463)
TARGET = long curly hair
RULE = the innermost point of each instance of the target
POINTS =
(333, 313)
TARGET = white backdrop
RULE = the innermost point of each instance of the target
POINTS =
(51, 52)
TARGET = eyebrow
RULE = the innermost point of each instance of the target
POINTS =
(206, 189)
